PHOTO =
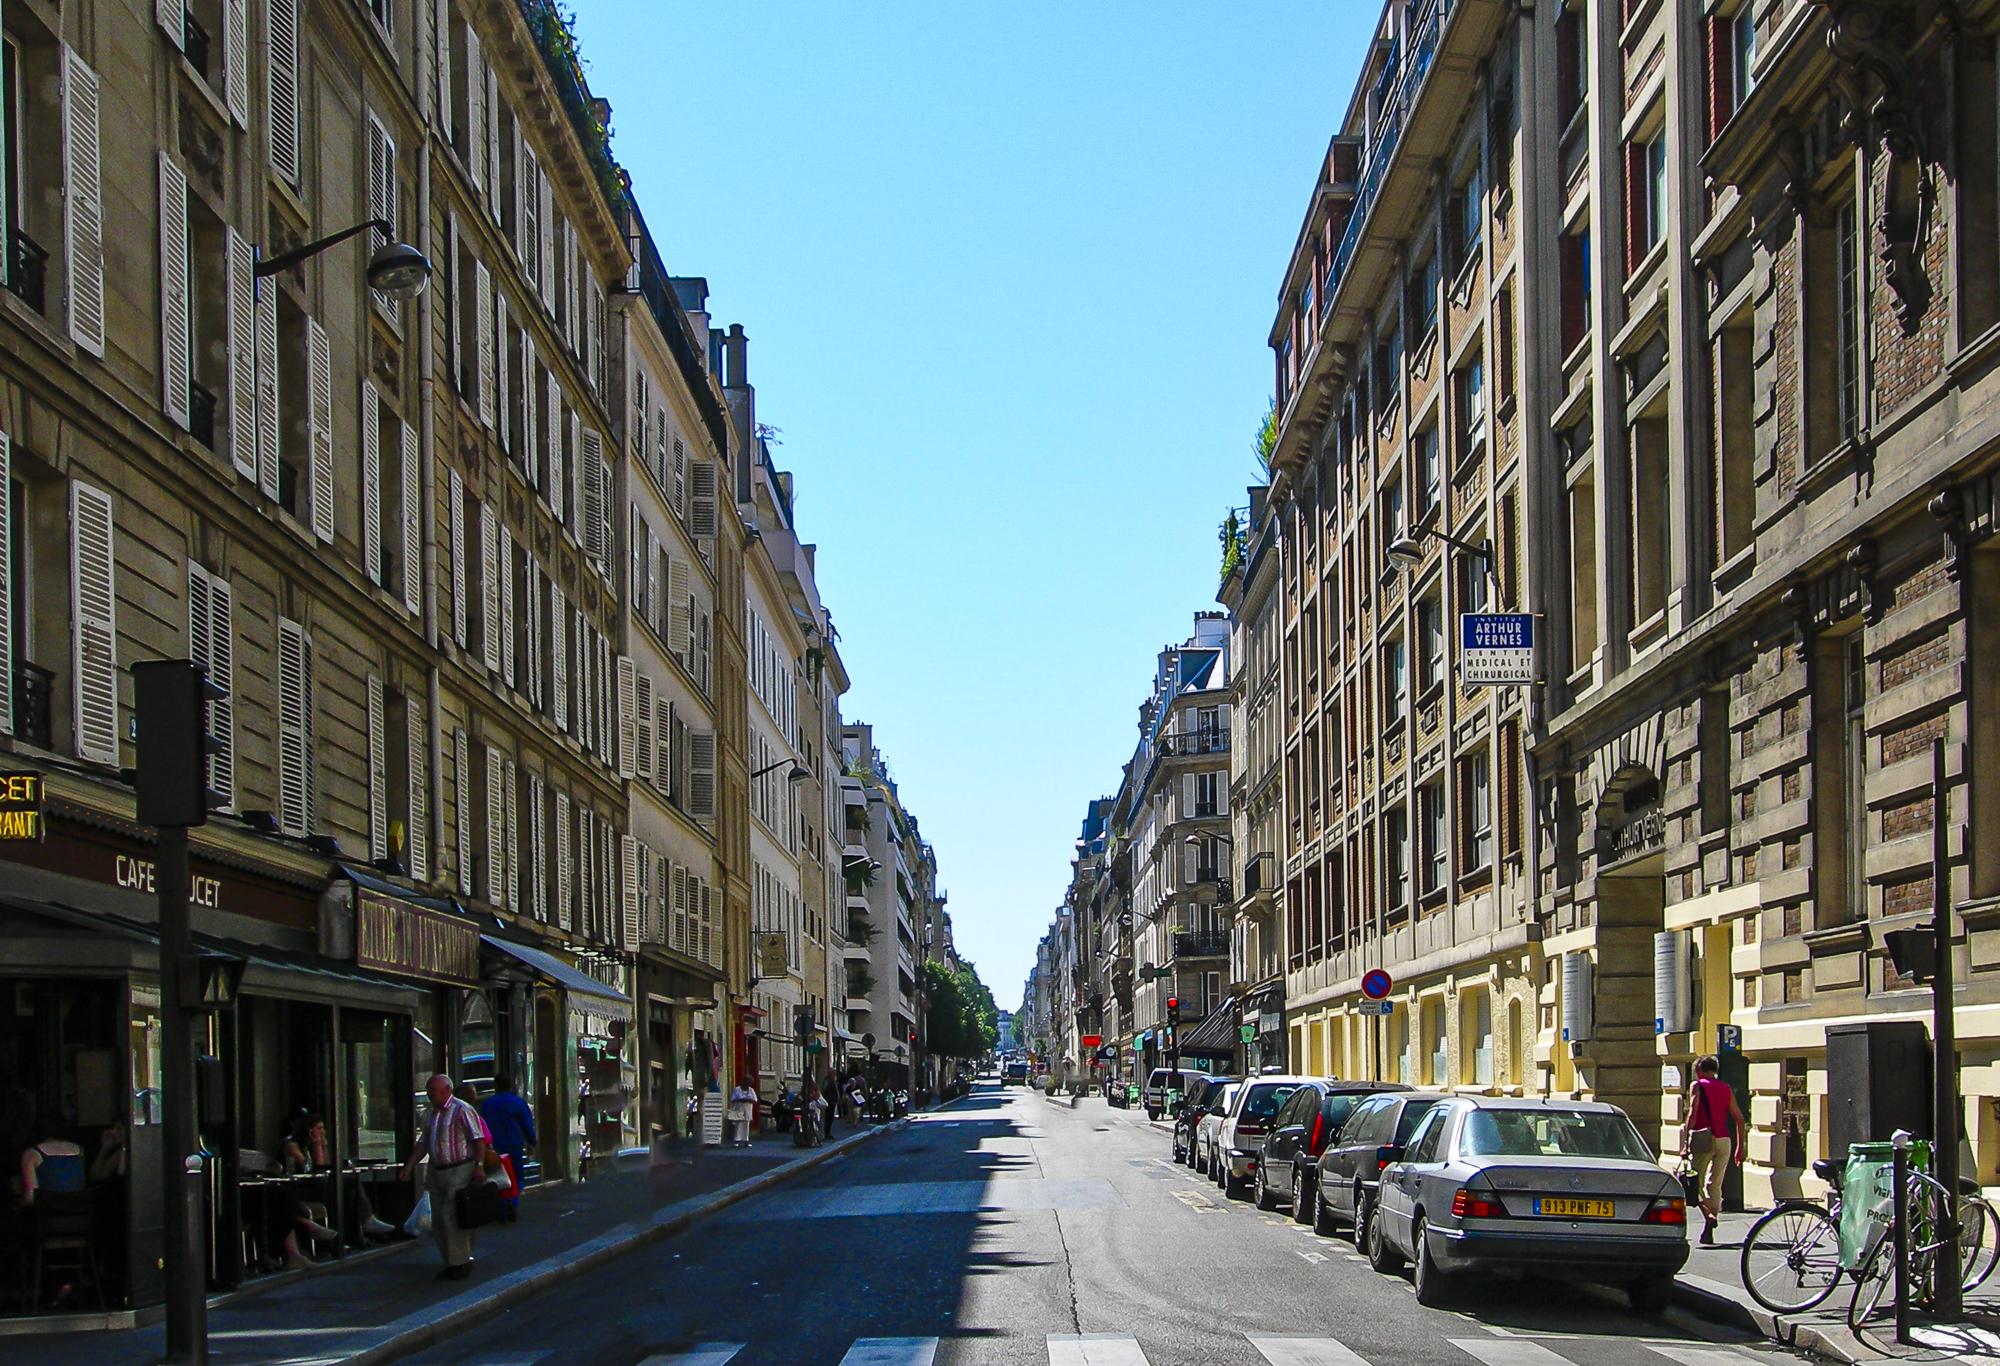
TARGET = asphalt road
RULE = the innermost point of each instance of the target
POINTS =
(1007, 1229)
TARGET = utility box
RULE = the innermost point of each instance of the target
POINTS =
(1878, 1080)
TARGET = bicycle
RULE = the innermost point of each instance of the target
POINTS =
(1926, 1203)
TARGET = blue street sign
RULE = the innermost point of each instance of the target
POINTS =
(1496, 648)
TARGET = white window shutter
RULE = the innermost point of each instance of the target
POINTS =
(496, 827)
(172, 23)
(503, 425)
(371, 483)
(1187, 863)
(524, 203)
(281, 87)
(475, 110)
(1222, 793)
(628, 720)
(628, 890)
(236, 61)
(381, 174)
(482, 304)
(574, 494)
(413, 544)
(589, 470)
(320, 356)
(83, 205)
(538, 840)
(508, 661)
(1187, 796)
(703, 513)
(455, 519)
(676, 893)
(642, 726)
(441, 51)
(241, 284)
(294, 729)
(378, 772)
(218, 656)
(94, 621)
(554, 490)
(461, 795)
(537, 605)
(267, 387)
(511, 815)
(701, 774)
(559, 654)
(607, 701)
(530, 454)
(175, 375)
(680, 609)
(707, 922)
(663, 743)
(564, 869)
(417, 839)
(491, 148)
(489, 587)
(6, 587)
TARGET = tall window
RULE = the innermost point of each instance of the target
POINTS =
(1583, 571)
(1735, 423)
(1743, 52)
(1424, 296)
(1477, 799)
(1396, 858)
(1469, 395)
(1575, 272)
(1430, 471)
(1395, 682)
(1848, 257)
(1437, 850)
(1854, 762)
(1430, 645)
(1391, 518)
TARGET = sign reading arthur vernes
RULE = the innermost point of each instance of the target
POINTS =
(1496, 649)
(410, 941)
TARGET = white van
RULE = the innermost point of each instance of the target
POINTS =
(1163, 1080)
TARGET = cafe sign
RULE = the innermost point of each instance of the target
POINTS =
(20, 806)
(410, 941)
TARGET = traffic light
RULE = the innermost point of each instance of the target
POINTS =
(1173, 1010)
(171, 698)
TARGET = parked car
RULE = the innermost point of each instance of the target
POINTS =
(1208, 1125)
(1289, 1163)
(1239, 1139)
(1189, 1114)
(1164, 1080)
(1351, 1164)
(1565, 1188)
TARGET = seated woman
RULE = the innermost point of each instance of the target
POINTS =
(54, 1164)
(304, 1150)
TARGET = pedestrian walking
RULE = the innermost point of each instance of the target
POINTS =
(454, 1139)
(512, 1124)
(742, 1113)
(831, 1094)
(1710, 1138)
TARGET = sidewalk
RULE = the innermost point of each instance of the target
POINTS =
(375, 1306)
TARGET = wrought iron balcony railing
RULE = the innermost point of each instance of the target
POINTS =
(1195, 742)
(1202, 944)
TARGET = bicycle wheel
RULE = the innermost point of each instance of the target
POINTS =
(1978, 1240)
(1873, 1281)
(1791, 1258)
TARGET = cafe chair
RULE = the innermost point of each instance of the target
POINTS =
(63, 1247)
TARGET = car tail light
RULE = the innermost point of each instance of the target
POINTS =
(1384, 1156)
(1666, 1209)
(1319, 1127)
(1471, 1204)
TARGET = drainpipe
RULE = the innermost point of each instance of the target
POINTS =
(427, 503)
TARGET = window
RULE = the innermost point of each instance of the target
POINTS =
(1423, 304)
(1462, 221)
(1430, 645)
(1647, 587)
(1395, 682)
(1583, 572)
(1476, 801)
(1733, 440)
(1572, 71)
(1396, 858)
(1848, 308)
(1429, 471)
(1575, 272)
(1469, 402)
(1205, 785)
(1388, 367)
(1472, 572)
(1423, 1145)
(1743, 42)
(1391, 517)
(1854, 766)
(1503, 347)
(1732, 52)
(1436, 847)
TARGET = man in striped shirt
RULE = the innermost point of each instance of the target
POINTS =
(455, 1141)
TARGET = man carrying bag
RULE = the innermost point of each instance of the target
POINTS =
(454, 1140)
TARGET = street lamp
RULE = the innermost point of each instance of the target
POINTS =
(396, 269)
(1407, 550)
(798, 774)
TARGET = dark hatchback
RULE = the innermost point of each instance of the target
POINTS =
(1310, 1119)
(1350, 1167)
(1188, 1114)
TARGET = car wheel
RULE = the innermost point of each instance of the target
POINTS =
(1652, 1294)
(1151, 1113)
(1232, 1184)
(1322, 1217)
(1301, 1212)
(1433, 1290)
(1265, 1200)
(1381, 1256)
(1363, 1214)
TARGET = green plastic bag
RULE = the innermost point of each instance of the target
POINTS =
(1867, 1195)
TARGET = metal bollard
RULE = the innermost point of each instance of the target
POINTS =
(1899, 1171)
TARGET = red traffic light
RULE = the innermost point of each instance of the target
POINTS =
(1173, 1003)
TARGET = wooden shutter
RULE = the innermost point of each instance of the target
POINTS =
(93, 619)
(490, 151)
(680, 610)
(175, 375)
(628, 890)
(172, 22)
(703, 512)
(1187, 796)
(559, 654)
(236, 61)
(440, 15)
(495, 827)
(663, 742)
(1222, 792)
(643, 765)
(281, 87)
(678, 491)
(707, 922)
(241, 286)
(461, 800)
(475, 110)
(628, 717)
(371, 483)
(212, 644)
(553, 493)
(381, 174)
(701, 774)
(676, 893)
(413, 544)
(418, 798)
(701, 650)
(564, 869)
(267, 387)
(1188, 853)
(538, 840)
(537, 604)
(83, 205)
(321, 372)
(482, 304)
(489, 587)
(590, 469)
(6, 584)
(378, 772)
(294, 729)
(503, 421)
(511, 834)
(455, 522)
(573, 495)
(507, 617)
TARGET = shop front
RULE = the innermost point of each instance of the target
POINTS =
(676, 1051)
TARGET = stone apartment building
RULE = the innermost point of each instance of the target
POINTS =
(1688, 313)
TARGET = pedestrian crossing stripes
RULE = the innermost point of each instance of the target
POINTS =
(1509, 1351)
(705, 1354)
(1283, 1351)
(891, 1352)
(1094, 1349)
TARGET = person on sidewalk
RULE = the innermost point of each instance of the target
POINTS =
(1711, 1135)
(742, 1113)
(831, 1093)
(512, 1125)
(454, 1139)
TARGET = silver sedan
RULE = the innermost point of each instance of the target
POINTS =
(1564, 1188)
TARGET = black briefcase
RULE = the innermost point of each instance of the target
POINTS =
(480, 1204)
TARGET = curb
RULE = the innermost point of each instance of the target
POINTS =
(426, 1327)
(1708, 1300)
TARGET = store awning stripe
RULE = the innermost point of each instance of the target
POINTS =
(1216, 1035)
(599, 999)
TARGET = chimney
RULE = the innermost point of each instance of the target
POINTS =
(735, 358)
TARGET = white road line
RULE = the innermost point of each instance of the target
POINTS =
(891, 1352)
(706, 1354)
(1314, 1257)
(1282, 1351)
(1509, 1352)
(1094, 1349)
(1689, 1355)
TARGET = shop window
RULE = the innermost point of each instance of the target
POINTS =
(1437, 1054)
(1475, 1014)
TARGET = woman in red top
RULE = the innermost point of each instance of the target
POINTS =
(1711, 1136)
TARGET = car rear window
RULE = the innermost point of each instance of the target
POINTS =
(1265, 1098)
(1551, 1133)
(1338, 1106)
(1413, 1115)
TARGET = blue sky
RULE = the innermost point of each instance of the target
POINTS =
(1007, 273)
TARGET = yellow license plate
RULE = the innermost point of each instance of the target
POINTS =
(1562, 1208)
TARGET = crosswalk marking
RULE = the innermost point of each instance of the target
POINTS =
(1094, 1349)
(1508, 1352)
(702, 1354)
(1689, 1355)
(1283, 1351)
(891, 1352)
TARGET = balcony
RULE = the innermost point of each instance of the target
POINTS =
(1202, 944)
(1260, 874)
(1193, 743)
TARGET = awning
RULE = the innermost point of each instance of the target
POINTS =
(591, 995)
(1214, 1037)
